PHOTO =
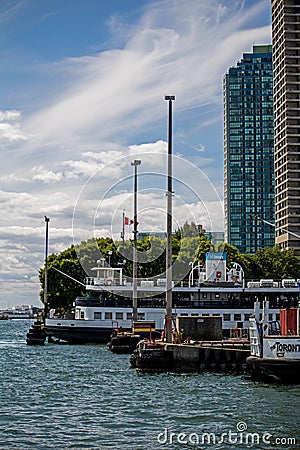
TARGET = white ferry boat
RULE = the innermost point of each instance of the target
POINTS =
(275, 346)
(214, 291)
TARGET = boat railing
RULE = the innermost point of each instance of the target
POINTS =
(160, 302)
(148, 283)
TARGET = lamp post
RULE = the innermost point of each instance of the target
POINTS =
(47, 220)
(170, 99)
(135, 164)
(109, 256)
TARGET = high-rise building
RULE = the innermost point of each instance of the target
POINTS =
(249, 151)
(286, 65)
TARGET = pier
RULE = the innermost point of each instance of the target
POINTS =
(198, 346)
(214, 356)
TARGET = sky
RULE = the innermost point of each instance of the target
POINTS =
(82, 96)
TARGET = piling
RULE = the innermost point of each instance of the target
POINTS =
(36, 334)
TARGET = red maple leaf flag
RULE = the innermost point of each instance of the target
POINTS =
(128, 221)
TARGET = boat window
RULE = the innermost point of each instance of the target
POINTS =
(119, 316)
(226, 317)
(97, 315)
(141, 316)
(129, 316)
(194, 314)
(270, 317)
(184, 314)
(247, 317)
(217, 296)
(237, 317)
(108, 315)
(277, 316)
(81, 314)
(204, 295)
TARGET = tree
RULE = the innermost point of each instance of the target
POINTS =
(188, 246)
(277, 263)
(62, 291)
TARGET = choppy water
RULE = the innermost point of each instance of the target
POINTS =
(75, 397)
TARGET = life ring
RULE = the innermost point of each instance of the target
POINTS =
(108, 282)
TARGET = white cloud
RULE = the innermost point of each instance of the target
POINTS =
(46, 176)
(23, 207)
(11, 132)
(152, 147)
(9, 115)
(119, 91)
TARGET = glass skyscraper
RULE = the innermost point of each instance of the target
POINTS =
(249, 151)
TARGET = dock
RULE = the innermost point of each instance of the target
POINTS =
(213, 356)
(198, 347)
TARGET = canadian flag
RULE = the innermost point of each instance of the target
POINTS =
(128, 221)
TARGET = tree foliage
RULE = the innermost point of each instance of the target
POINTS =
(188, 246)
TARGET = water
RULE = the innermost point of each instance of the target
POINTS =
(76, 397)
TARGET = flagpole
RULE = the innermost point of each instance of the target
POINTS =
(168, 325)
(123, 229)
(135, 163)
(47, 220)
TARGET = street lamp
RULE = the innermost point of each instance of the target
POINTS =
(170, 98)
(135, 164)
(47, 220)
(109, 256)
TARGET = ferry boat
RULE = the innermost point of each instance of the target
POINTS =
(275, 346)
(214, 291)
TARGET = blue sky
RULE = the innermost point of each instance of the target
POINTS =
(82, 95)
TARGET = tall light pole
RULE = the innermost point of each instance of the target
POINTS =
(47, 220)
(134, 163)
(109, 253)
(170, 99)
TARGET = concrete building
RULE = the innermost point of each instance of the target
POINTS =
(286, 65)
(249, 151)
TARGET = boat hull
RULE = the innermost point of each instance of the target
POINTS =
(80, 335)
(286, 370)
(123, 344)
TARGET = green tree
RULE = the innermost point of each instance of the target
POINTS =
(188, 246)
(277, 263)
(62, 291)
